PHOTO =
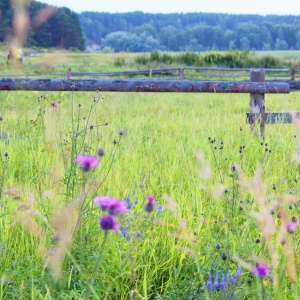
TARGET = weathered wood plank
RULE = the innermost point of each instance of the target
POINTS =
(143, 85)
(275, 117)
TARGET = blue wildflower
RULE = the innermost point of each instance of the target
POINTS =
(236, 276)
(124, 232)
(223, 283)
(216, 282)
(228, 277)
(209, 283)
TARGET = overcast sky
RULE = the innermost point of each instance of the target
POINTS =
(262, 7)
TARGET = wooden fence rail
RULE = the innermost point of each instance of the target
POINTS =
(182, 73)
(143, 85)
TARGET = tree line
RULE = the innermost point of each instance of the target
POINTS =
(145, 32)
(62, 30)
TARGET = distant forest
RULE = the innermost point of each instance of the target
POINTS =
(145, 32)
(62, 30)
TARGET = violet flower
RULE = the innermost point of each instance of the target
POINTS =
(110, 204)
(150, 204)
(87, 162)
(261, 270)
(291, 227)
(108, 222)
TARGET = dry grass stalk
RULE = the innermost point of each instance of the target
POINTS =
(65, 225)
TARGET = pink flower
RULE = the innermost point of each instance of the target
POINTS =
(261, 271)
(110, 204)
(108, 222)
(87, 162)
(291, 227)
(150, 204)
(53, 104)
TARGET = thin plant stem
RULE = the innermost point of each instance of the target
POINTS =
(90, 281)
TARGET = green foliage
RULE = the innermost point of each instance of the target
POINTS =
(229, 59)
(119, 62)
(191, 31)
(61, 30)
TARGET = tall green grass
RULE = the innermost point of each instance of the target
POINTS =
(171, 252)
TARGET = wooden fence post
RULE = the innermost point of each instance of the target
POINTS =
(257, 102)
(69, 73)
(292, 74)
(181, 74)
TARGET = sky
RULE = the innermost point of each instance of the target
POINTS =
(261, 7)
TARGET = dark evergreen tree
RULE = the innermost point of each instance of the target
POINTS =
(63, 29)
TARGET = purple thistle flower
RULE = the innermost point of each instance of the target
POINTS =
(261, 271)
(110, 204)
(209, 283)
(53, 104)
(233, 168)
(150, 204)
(87, 162)
(291, 227)
(108, 222)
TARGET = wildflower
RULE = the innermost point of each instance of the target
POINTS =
(110, 204)
(218, 246)
(224, 256)
(291, 227)
(261, 270)
(86, 237)
(101, 152)
(223, 283)
(150, 204)
(87, 162)
(236, 276)
(159, 208)
(233, 168)
(216, 282)
(124, 232)
(53, 104)
(108, 222)
(228, 277)
(209, 283)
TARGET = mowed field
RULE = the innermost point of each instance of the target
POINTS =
(226, 203)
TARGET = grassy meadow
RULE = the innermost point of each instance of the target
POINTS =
(225, 202)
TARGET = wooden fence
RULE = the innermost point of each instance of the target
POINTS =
(177, 73)
(257, 87)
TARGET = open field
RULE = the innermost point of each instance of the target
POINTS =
(220, 212)
(59, 61)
